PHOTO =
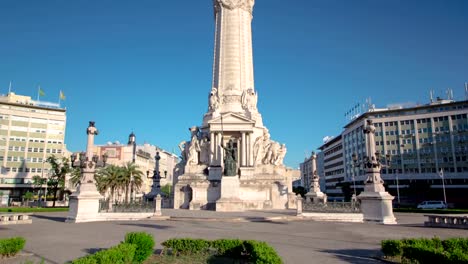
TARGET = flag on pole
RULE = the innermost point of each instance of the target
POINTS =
(62, 95)
(41, 92)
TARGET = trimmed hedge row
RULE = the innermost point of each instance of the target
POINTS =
(255, 251)
(136, 248)
(11, 246)
(454, 250)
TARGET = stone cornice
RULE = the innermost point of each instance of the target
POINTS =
(246, 5)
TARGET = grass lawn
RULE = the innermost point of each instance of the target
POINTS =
(431, 211)
(32, 209)
(192, 259)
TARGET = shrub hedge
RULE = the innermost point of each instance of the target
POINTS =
(255, 251)
(454, 250)
(11, 246)
(144, 243)
(120, 254)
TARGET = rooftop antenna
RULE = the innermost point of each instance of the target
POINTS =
(431, 92)
(466, 90)
(451, 94)
(9, 88)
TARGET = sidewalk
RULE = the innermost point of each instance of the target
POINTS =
(246, 216)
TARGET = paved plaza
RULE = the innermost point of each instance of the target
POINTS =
(55, 241)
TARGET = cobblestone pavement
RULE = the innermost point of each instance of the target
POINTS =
(51, 239)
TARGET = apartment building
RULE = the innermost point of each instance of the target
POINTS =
(30, 131)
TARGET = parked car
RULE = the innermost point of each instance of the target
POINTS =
(432, 205)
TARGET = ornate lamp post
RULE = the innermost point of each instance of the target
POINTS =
(156, 187)
(84, 203)
(132, 141)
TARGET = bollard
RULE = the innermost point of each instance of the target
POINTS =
(299, 205)
(157, 207)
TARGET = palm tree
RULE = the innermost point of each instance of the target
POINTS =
(133, 177)
(75, 177)
(110, 178)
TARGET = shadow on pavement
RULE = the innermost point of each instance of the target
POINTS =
(148, 226)
(263, 220)
(93, 250)
(52, 218)
(358, 256)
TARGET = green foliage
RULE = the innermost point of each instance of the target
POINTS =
(32, 210)
(425, 250)
(120, 254)
(256, 251)
(28, 196)
(228, 247)
(11, 246)
(392, 248)
(166, 190)
(187, 245)
(262, 253)
(144, 243)
(60, 167)
(300, 190)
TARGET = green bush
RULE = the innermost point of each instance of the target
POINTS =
(392, 248)
(120, 254)
(262, 253)
(455, 243)
(458, 256)
(228, 247)
(11, 246)
(187, 245)
(144, 243)
(424, 254)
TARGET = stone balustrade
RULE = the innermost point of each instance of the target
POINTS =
(449, 221)
(15, 218)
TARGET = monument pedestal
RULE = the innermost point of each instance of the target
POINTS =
(316, 197)
(376, 204)
(84, 204)
(229, 200)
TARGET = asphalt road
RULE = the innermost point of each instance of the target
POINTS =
(55, 241)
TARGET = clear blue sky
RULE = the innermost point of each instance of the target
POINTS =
(146, 65)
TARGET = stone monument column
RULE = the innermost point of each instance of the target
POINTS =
(233, 60)
(376, 203)
(315, 195)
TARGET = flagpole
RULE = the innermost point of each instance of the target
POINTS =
(9, 88)
(443, 184)
(38, 89)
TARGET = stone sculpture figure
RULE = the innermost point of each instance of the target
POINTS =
(281, 154)
(183, 146)
(249, 100)
(271, 153)
(205, 151)
(260, 146)
(214, 100)
(194, 147)
(230, 159)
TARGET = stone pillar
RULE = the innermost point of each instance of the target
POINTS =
(212, 148)
(243, 150)
(219, 149)
(299, 205)
(249, 143)
(157, 206)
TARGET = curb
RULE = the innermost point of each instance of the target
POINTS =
(239, 219)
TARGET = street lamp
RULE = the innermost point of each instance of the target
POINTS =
(155, 188)
(354, 165)
(132, 141)
(388, 161)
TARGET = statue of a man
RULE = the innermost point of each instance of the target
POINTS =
(230, 159)
(214, 100)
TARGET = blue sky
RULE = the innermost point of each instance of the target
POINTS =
(145, 66)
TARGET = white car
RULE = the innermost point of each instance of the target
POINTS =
(432, 205)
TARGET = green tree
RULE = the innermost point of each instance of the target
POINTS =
(167, 190)
(59, 169)
(28, 196)
(300, 190)
(131, 170)
(110, 178)
(75, 176)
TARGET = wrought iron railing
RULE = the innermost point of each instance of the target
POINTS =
(332, 207)
(130, 207)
